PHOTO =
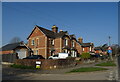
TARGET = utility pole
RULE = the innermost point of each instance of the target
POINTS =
(110, 53)
(109, 41)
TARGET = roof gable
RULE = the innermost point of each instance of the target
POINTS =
(37, 31)
(48, 33)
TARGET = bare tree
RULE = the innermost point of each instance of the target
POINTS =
(15, 40)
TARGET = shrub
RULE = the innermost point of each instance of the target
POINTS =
(85, 55)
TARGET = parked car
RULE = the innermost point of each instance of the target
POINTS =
(59, 56)
(35, 57)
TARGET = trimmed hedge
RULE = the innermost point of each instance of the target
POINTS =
(47, 63)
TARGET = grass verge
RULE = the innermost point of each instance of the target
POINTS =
(87, 69)
(108, 63)
(21, 66)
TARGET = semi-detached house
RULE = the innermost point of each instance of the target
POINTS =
(49, 42)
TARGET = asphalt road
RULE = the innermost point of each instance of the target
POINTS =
(58, 74)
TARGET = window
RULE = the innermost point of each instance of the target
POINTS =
(32, 42)
(73, 44)
(37, 41)
(90, 49)
(36, 52)
(52, 42)
(65, 51)
(83, 49)
(73, 52)
(66, 42)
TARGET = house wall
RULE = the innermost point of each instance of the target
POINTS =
(98, 51)
(22, 49)
(86, 49)
(79, 48)
(57, 45)
(7, 52)
(43, 44)
(40, 42)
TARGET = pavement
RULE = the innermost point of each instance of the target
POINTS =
(57, 74)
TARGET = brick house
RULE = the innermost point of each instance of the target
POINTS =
(86, 47)
(49, 42)
(99, 50)
(20, 48)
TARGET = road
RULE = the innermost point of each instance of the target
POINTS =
(58, 74)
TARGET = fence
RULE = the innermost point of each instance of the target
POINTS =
(9, 58)
(47, 63)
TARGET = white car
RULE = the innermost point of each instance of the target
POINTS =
(59, 56)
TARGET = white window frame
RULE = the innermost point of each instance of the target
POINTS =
(53, 42)
(66, 42)
(66, 51)
(32, 42)
(36, 52)
(83, 49)
(90, 49)
(73, 44)
(73, 53)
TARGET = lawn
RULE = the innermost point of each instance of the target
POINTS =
(108, 63)
(87, 69)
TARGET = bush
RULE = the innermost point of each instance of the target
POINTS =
(85, 55)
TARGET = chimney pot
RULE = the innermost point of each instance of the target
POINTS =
(55, 28)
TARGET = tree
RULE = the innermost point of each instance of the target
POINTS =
(15, 40)
(85, 55)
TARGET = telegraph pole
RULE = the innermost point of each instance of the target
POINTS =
(109, 41)
(109, 49)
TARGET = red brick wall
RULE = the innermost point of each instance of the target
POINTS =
(6, 52)
(41, 46)
(79, 48)
(57, 43)
(86, 49)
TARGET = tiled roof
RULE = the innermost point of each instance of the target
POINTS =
(51, 34)
(48, 33)
(10, 46)
(97, 48)
(86, 44)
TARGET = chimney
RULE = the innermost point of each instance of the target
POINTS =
(80, 39)
(60, 31)
(55, 28)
